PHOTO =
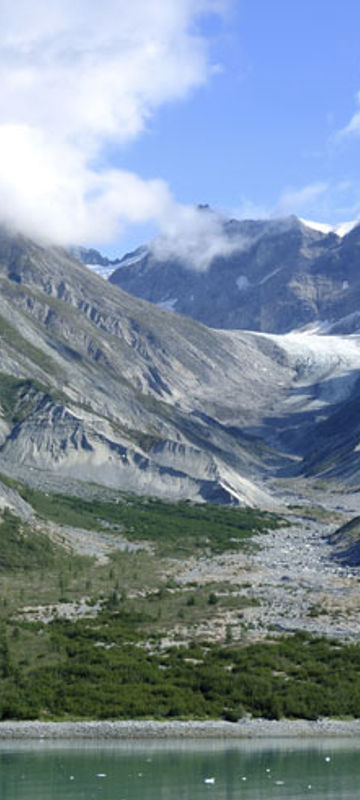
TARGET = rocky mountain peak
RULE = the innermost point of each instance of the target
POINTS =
(273, 276)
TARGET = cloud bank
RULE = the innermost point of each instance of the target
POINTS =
(195, 236)
(75, 76)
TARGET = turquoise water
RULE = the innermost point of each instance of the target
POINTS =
(170, 770)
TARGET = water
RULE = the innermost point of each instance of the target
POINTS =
(170, 770)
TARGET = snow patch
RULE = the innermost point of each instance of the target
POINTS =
(317, 226)
(100, 269)
(320, 326)
(345, 227)
(242, 283)
(169, 304)
(127, 261)
(341, 229)
(270, 275)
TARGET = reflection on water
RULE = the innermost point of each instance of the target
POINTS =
(174, 770)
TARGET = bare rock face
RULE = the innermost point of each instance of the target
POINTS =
(282, 275)
(101, 387)
(11, 500)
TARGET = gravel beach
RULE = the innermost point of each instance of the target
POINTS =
(146, 729)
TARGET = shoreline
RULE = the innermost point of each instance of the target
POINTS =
(148, 729)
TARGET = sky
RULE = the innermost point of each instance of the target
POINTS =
(118, 118)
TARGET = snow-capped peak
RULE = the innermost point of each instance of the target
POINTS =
(341, 229)
(345, 227)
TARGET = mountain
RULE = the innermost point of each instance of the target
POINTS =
(99, 387)
(274, 276)
(99, 264)
(104, 396)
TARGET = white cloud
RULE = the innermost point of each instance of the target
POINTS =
(195, 236)
(198, 236)
(351, 129)
(74, 76)
(297, 201)
(248, 209)
(48, 190)
(331, 202)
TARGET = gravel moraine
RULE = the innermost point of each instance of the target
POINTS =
(246, 728)
(294, 580)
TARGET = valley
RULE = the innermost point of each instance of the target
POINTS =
(251, 612)
(179, 506)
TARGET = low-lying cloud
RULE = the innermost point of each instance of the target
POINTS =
(195, 236)
(75, 77)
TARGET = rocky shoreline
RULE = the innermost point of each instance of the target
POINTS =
(247, 728)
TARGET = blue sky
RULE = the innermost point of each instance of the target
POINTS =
(263, 134)
(116, 118)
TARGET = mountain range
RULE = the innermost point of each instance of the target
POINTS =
(274, 276)
(100, 387)
(111, 407)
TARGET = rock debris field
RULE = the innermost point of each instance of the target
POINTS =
(292, 581)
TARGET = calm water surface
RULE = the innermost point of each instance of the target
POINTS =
(191, 770)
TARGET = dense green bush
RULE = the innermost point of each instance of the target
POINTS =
(175, 528)
(95, 669)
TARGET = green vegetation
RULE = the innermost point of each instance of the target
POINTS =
(307, 512)
(96, 669)
(112, 659)
(19, 397)
(21, 547)
(38, 571)
(176, 529)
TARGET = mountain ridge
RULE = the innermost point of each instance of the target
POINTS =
(118, 345)
(284, 275)
(100, 387)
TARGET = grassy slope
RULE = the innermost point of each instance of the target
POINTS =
(173, 528)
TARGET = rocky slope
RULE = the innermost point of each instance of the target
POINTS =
(98, 386)
(279, 275)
